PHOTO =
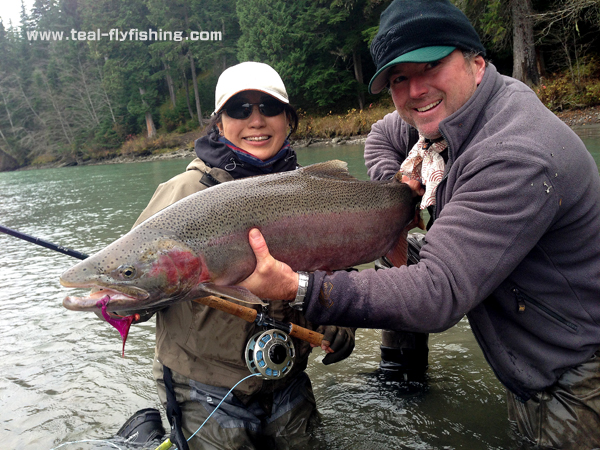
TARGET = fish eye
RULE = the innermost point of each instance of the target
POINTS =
(127, 271)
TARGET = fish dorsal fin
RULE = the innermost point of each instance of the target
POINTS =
(329, 169)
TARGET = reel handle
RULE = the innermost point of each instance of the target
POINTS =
(249, 315)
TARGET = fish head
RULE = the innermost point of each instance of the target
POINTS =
(136, 274)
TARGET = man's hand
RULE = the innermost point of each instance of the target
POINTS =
(271, 279)
(417, 188)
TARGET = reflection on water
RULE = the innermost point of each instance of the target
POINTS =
(590, 134)
(62, 376)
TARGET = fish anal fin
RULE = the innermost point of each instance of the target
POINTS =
(235, 293)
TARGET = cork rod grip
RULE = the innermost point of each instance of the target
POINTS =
(305, 334)
(243, 312)
(249, 315)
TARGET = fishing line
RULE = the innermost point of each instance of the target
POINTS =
(275, 369)
(166, 444)
(88, 440)
(163, 447)
(215, 410)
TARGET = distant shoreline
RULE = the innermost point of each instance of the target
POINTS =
(186, 153)
(573, 118)
(584, 116)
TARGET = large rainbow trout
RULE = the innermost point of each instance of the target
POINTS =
(316, 217)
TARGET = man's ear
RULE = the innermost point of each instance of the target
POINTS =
(479, 67)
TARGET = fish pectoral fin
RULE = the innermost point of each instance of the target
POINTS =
(237, 293)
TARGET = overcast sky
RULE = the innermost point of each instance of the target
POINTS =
(11, 10)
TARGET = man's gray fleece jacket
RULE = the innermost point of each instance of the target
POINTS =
(515, 244)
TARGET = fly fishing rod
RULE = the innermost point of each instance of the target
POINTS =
(41, 242)
(261, 319)
(280, 354)
(243, 312)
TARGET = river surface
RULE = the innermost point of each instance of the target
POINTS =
(62, 377)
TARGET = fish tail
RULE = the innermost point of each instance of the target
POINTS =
(398, 255)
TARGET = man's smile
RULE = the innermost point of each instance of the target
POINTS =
(428, 107)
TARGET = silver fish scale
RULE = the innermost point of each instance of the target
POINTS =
(122, 250)
(211, 221)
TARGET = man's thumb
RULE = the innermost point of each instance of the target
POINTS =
(258, 243)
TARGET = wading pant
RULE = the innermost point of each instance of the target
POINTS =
(566, 415)
(405, 355)
(238, 426)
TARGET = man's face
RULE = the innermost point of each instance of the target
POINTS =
(426, 93)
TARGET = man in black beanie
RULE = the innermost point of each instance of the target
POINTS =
(514, 237)
(404, 355)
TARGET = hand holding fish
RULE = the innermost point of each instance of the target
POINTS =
(271, 279)
(418, 190)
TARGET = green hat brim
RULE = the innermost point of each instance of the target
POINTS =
(420, 55)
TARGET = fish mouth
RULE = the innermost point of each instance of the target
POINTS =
(119, 300)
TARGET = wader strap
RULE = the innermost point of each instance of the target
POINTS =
(173, 412)
(208, 180)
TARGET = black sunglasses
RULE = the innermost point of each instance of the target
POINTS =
(268, 108)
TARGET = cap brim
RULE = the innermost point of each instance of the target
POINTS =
(420, 55)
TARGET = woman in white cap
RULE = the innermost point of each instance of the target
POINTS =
(200, 351)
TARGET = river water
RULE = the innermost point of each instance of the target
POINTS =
(62, 377)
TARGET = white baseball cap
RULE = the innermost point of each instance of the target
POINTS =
(249, 76)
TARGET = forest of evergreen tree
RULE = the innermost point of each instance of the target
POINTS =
(80, 77)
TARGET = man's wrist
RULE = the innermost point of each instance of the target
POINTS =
(298, 302)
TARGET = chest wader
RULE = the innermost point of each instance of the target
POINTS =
(404, 355)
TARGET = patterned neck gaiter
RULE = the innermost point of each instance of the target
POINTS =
(425, 164)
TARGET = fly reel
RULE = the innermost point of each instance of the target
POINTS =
(271, 354)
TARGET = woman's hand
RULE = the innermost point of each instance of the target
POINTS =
(271, 279)
(338, 342)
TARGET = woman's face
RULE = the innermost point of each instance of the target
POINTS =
(259, 135)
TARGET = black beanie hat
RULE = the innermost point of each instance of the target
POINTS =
(419, 31)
